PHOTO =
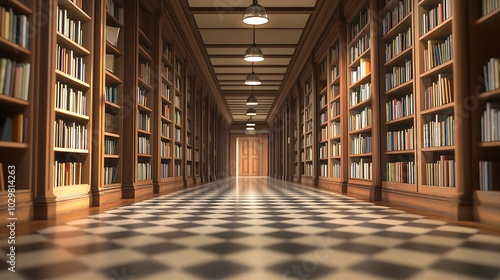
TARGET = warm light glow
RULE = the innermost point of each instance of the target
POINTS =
(251, 112)
(250, 128)
(252, 80)
(255, 14)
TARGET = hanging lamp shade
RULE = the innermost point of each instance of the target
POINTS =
(251, 112)
(254, 54)
(251, 101)
(252, 80)
(250, 122)
(250, 128)
(255, 14)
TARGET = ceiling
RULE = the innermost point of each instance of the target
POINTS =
(226, 38)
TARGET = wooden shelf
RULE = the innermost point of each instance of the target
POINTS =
(145, 155)
(67, 150)
(74, 11)
(111, 49)
(438, 149)
(17, 6)
(489, 18)
(437, 190)
(143, 39)
(403, 152)
(407, 119)
(63, 77)
(363, 80)
(13, 101)
(143, 132)
(71, 115)
(399, 186)
(13, 145)
(446, 67)
(108, 156)
(495, 94)
(362, 104)
(361, 155)
(449, 106)
(113, 79)
(361, 131)
(363, 31)
(494, 144)
(143, 108)
(438, 32)
(400, 27)
(112, 106)
(13, 49)
(112, 135)
(402, 88)
(364, 54)
(143, 53)
(112, 21)
(400, 57)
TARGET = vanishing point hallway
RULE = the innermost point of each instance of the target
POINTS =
(255, 228)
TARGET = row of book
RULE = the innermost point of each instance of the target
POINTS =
(335, 91)
(361, 169)
(334, 109)
(334, 52)
(336, 171)
(68, 27)
(401, 140)
(490, 123)
(361, 120)
(322, 101)
(165, 90)
(111, 94)
(492, 74)
(12, 128)
(335, 72)
(489, 177)
(361, 144)
(323, 118)
(441, 172)
(308, 113)
(177, 170)
(178, 84)
(166, 72)
(439, 132)
(399, 75)
(439, 92)
(114, 10)
(334, 129)
(67, 173)
(307, 154)
(14, 78)
(111, 123)
(110, 173)
(400, 172)
(436, 15)
(323, 151)
(438, 52)
(166, 50)
(109, 146)
(165, 149)
(361, 46)
(143, 146)
(323, 134)
(69, 99)
(145, 72)
(165, 170)
(165, 130)
(400, 108)
(489, 6)
(144, 121)
(308, 169)
(336, 149)
(178, 151)
(307, 126)
(362, 20)
(144, 171)
(392, 18)
(68, 62)
(165, 111)
(323, 170)
(360, 71)
(177, 134)
(364, 93)
(14, 27)
(189, 153)
(398, 45)
(70, 135)
(177, 117)
(177, 101)
(308, 140)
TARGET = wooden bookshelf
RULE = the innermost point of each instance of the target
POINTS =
(397, 97)
(178, 118)
(108, 103)
(198, 147)
(308, 134)
(16, 119)
(363, 105)
(189, 130)
(65, 109)
(484, 87)
(141, 93)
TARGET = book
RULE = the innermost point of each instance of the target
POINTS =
(110, 63)
(2, 179)
(112, 34)
(6, 125)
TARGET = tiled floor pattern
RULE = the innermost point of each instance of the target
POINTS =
(255, 229)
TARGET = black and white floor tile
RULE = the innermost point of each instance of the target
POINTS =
(255, 229)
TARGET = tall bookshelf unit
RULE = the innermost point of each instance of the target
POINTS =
(108, 102)
(198, 132)
(66, 98)
(179, 111)
(307, 132)
(363, 107)
(321, 110)
(397, 96)
(484, 106)
(141, 94)
(16, 105)
(443, 137)
(295, 109)
(189, 131)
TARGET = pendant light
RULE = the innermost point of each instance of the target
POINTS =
(251, 112)
(250, 122)
(254, 54)
(250, 128)
(251, 101)
(255, 14)
(252, 79)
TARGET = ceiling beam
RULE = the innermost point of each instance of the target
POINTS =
(241, 10)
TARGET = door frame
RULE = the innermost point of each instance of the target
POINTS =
(265, 153)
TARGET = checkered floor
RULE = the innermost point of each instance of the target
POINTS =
(255, 229)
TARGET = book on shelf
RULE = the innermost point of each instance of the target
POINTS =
(400, 172)
(111, 94)
(112, 34)
(490, 123)
(14, 78)
(144, 171)
(69, 99)
(438, 52)
(68, 62)
(67, 173)
(492, 74)
(110, 173)
(2, 178)
(70, 135)
(111, 123)
(12, 128)
(70, 28)
(435, 15)
(398, 45)
(400, 108)
(110, 63)
(439, 132)
(442, 172)
(362, 169)
(14, 27)
(489, 6)
(115, 11)
(489, 177)
(439, 92)
(395, 16)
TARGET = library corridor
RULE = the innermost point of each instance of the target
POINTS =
(255, 228)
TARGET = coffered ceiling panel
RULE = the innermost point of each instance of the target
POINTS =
(226, 38)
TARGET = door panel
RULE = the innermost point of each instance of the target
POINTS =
(250, 156)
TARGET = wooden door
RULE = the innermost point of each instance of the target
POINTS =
(250, 156)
